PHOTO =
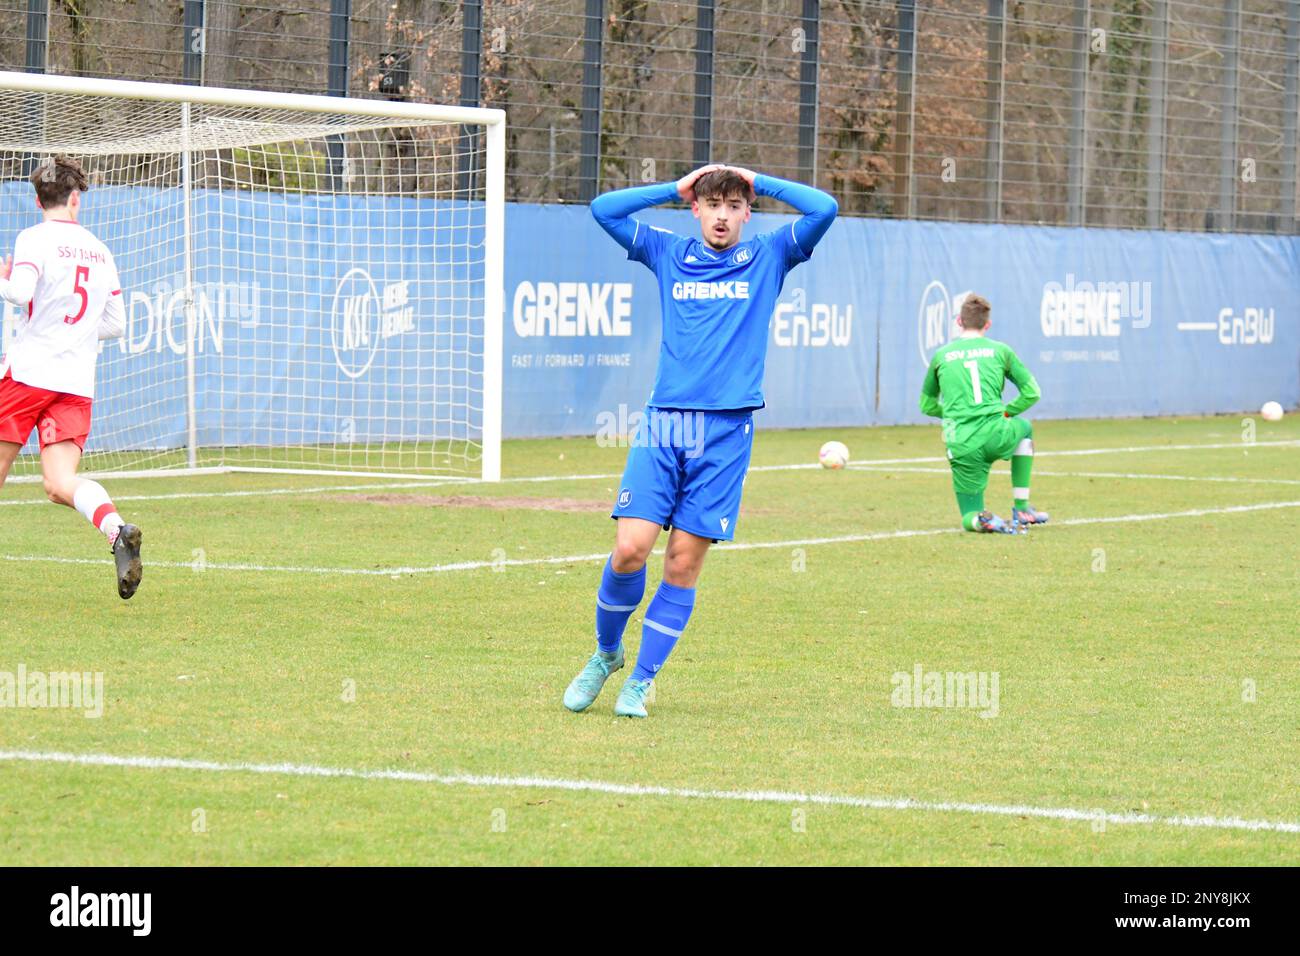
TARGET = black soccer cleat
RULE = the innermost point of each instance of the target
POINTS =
(126, 554)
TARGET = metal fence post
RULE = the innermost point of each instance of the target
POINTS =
(471, 60)
(702, 138)
(1291, 103)
(1227, 211)
(904, 112)
(38, 44)
(340, 35)
(589, 166)
(1156, 108)
(195, 42)
(808, 98)
(1077, 174)
(993, 112)
(38, 35)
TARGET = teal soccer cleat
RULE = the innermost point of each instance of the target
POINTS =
(990, 523)
(1028, 515)
(631, 699)
(586, 687)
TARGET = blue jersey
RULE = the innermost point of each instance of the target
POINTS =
(716, 306)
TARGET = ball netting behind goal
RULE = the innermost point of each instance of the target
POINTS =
(305, 289)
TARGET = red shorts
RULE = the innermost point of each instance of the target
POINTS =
(56, 416)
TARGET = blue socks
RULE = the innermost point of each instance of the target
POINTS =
(665, 620)
(617, 598)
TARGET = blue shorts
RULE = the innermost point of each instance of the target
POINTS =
(687, 470)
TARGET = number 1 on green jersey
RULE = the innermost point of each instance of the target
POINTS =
(975, 380)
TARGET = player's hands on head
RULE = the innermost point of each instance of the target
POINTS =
(686, 185)
(746, 174)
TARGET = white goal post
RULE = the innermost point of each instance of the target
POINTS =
(313, 284)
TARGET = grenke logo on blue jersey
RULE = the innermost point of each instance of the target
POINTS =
(731, 289)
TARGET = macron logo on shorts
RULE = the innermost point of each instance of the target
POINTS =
(724, 522)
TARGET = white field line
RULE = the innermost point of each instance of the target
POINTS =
(641, 790)
(250, 493)
(1091, 474)
(602, 555)
(1075, 452)
(1233, 479)
(865, 465)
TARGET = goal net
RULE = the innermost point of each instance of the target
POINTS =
(311, 283)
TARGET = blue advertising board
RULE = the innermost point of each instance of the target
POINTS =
(1111, 322)
(319, 321)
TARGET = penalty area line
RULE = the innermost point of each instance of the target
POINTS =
(398, 572)
(399, 484)
(1070, 814)
(253, 492)
(1133, 476)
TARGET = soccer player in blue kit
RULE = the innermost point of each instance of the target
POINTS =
(717, 295)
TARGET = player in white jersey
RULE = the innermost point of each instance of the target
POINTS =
(66, 282)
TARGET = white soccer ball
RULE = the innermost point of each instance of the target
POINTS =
(1271, 412)
(834, 454)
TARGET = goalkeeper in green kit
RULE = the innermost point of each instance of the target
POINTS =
(963, 386)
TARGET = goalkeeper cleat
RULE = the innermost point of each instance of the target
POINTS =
(126, 555)
(990, 523)
(586, 687)
(1028, 515)
(631, 699)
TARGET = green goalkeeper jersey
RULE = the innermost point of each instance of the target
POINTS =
(964, 382)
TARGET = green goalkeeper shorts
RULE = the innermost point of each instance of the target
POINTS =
(974, 454)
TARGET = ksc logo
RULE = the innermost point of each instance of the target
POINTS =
(936, 319)
(362, 319)
(741, 257)
(624, 498)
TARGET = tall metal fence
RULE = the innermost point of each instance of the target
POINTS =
(1165, 114)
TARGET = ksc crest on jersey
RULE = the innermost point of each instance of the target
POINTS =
(741, 256)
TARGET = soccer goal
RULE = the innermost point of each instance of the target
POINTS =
(312, 283)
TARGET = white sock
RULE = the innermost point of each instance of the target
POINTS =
(91, 500)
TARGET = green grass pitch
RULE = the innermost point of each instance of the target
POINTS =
(1146, 668)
